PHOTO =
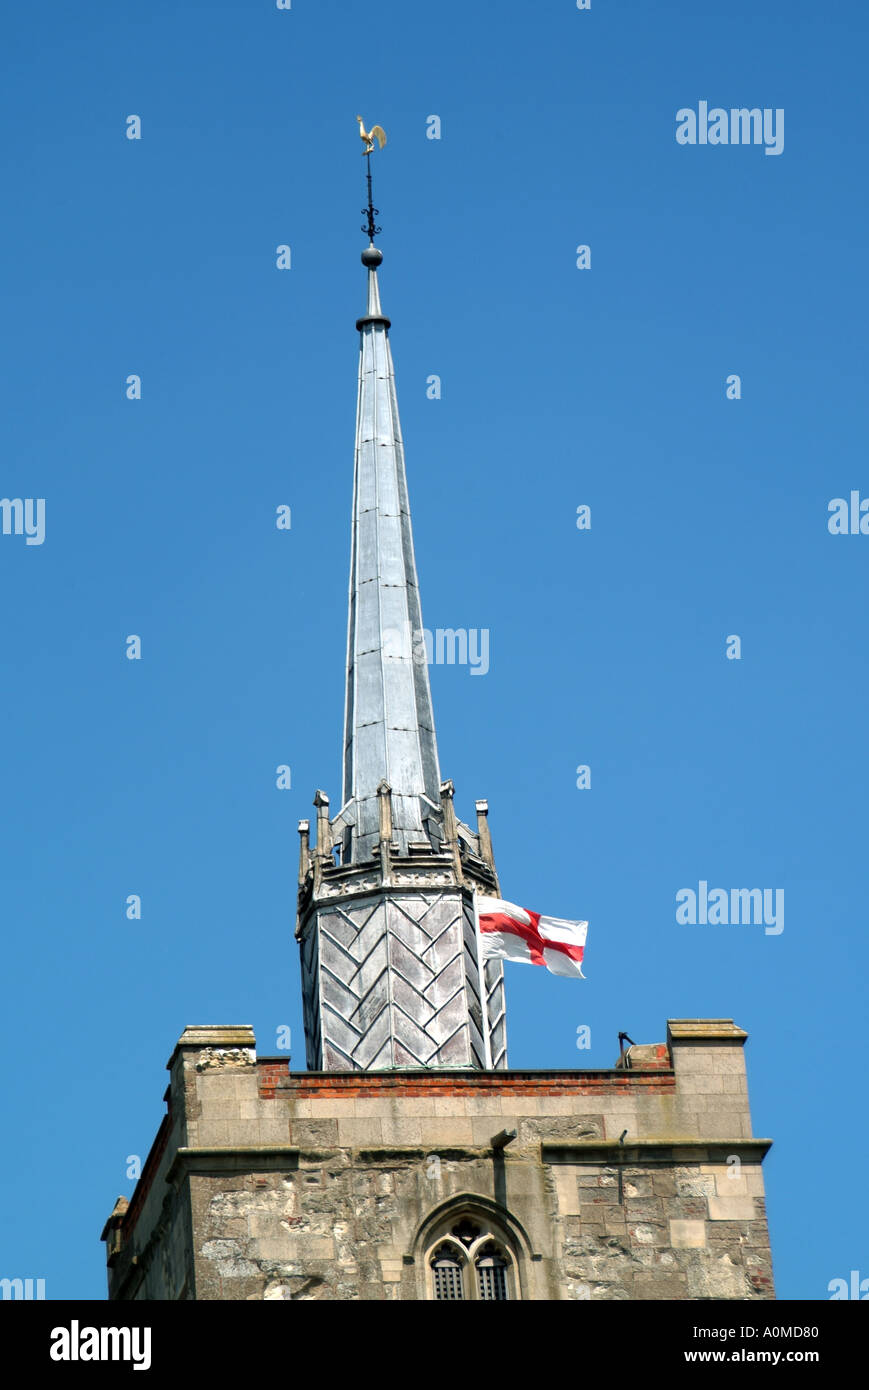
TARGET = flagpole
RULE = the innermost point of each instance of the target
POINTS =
(484, 998)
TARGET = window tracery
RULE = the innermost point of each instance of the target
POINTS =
(471, 1259)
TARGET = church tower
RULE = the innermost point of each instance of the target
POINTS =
(391, 975)
(408, 1162)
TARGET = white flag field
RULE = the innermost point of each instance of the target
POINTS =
(508, 932)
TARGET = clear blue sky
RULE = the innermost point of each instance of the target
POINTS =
(560, 387)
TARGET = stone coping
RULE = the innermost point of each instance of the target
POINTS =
(703, 1030)
(217, 1035)
(665, 1149)
(245, 1158)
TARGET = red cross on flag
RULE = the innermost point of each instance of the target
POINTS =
(508, 932)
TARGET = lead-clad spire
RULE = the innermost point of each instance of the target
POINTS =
(389, 729)
(391, 968)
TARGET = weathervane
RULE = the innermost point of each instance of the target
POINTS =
(368, 138)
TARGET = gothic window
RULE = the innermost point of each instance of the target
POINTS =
(472, 1261)
(491, 1273)
(447, 1269)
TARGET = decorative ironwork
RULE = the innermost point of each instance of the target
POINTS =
(371, 211)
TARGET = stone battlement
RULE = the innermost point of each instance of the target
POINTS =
(640, 1181)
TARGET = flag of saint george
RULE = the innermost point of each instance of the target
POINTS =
(508, 932)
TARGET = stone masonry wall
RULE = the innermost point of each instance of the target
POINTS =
(683, 1229)
(643, 1182)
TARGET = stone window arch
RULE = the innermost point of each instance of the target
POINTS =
(469, 1257)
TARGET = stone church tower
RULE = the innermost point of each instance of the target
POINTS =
(408, 1161)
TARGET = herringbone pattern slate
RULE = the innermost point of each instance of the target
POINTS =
(392, 981)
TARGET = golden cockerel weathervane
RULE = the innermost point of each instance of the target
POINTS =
(368, 137)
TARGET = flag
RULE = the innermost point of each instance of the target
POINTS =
(508, 932)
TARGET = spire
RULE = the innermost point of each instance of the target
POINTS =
(391, 971)
(389, 725)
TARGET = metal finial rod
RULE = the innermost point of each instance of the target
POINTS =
(371, 211)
